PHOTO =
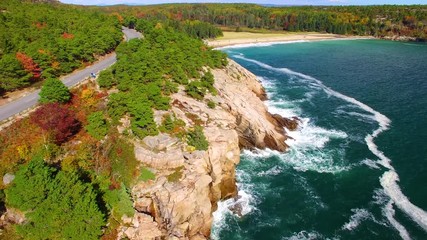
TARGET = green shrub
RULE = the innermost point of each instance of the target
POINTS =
(146, 175)
(119, 202)
(211, 104)
(176, 175)
(97, 126)
(196, 90)
(172, 126)
(106, 79)
(124, 165)
(197, 138)
(54, 90)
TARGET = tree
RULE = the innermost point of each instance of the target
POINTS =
(142, 124)
(58, 204)
(12, 75)
(30, 186)
(29, 64)
(57, 120)
(97, 126)
(54, 90)
(106, 79)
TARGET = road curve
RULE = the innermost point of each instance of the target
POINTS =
(28, 101)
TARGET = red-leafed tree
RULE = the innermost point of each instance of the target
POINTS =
(58, 120)
(67, 35)
(29, 65)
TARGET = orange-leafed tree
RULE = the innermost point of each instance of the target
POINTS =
(29, 65)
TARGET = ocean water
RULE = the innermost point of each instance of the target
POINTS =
(357, 165)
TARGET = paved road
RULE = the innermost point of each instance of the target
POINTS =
(30, 100)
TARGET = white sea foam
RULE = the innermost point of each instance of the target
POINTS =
(283, 108)
(389, 180)
(276, 170)
(244, 199)
(257, 154)
(388, 211)
(370, 163)
(359, 215)
(267, 84)
(304, 235)
(360, 116)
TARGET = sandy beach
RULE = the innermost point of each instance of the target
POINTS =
(238, 38)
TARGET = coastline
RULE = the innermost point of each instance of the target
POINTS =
(232, 39)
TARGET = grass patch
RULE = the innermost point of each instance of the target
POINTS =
(176, 175)
(123, 162)
(211, 104)
(146, 175)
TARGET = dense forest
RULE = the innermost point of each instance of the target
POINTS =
(379, 21)
(38, 41)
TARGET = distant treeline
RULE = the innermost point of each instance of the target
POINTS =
(39, 41)
(379, 21)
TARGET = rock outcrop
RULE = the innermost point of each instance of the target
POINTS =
(179, 203)
(241, 94)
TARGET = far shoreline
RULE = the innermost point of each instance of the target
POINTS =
(235, 39)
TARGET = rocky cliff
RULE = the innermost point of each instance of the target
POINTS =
(179, 203)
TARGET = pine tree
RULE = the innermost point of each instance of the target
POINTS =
(54, 90)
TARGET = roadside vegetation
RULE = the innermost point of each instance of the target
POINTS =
(40, 41)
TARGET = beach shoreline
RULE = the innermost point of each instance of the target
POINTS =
(246, 38)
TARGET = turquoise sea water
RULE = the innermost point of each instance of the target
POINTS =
(357, 166)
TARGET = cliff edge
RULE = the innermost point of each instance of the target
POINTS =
(179, 203)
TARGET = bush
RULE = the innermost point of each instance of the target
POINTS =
(54, 90)
(142, 124)
(123, 162)
(196, 90)
(119, 202)
(171, 126)
(97, 126)
(211, 104)
(106, 79)
(146, 175)
(57, 120)
(197, 138)
(176, 175)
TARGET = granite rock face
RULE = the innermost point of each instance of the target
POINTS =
(180, 207)
(242, 95)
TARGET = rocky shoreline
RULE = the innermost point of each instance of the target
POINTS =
(182, 207)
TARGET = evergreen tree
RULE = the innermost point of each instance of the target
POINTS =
(58, 204)
(97, 126)
(54, 90)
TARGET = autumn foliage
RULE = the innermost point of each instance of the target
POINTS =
(18, 143)
(57, 120)
(67, 35)
(29, 65)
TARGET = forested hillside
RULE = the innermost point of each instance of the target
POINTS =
(39, 40)
(379, 21)
(73, 168)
